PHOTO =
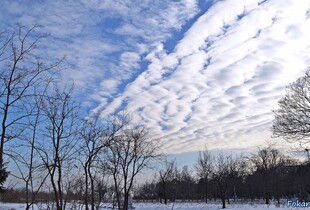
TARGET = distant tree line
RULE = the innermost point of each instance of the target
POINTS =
(267, 175)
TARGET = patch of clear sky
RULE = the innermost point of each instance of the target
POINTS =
(170, 44)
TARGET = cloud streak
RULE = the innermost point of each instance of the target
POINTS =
(224, 77)
(216, 86)
(102, 40)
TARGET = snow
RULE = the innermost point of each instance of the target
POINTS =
(177, 206)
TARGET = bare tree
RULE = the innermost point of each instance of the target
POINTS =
(186, 184)
(130, 151)
(204, 167)
(292, 119)
(21, 71)
(265, 162)
(93, 134)
(59, 144)
(166, 177)
(24, 153)
(226, 170)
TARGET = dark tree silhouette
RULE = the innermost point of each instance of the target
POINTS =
(292, 119)
(204, 168)
(226, 171)
(265, 162)
(167, 175)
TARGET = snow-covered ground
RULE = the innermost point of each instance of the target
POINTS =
(177, 206)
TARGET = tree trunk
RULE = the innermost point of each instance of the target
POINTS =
(165, 195)
(92, 186)
(60, 188)
(3, 129)
(116, 191)
(206, 190)
(56, 194)
(223, 202)
(126, 197)
(92, 191)
(86, 188)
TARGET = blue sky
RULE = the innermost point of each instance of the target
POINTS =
(195, 72)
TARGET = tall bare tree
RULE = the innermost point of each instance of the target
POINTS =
(24, 153)
(21, 70)
(130, 151)
(93, 133)
(59, 145)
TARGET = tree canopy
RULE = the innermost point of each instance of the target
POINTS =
(292, 119)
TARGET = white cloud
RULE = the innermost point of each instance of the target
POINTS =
(103, 41)
(216, 87)
(224, 77)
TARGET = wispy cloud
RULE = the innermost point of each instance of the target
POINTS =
(102, 40)
(224, 77)
(218, 84)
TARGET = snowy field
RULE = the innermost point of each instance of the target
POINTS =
(177, 206)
